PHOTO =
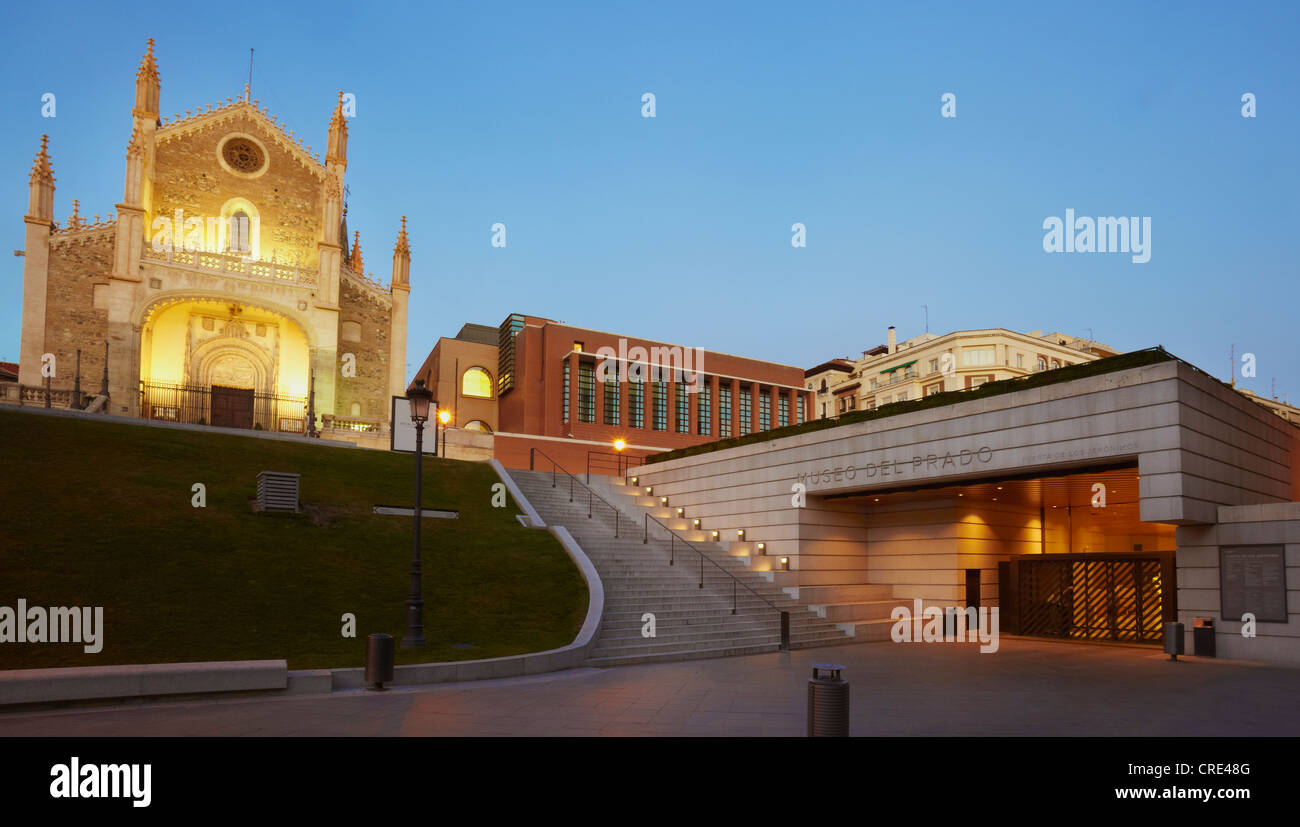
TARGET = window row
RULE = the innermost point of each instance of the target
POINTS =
(657, 410)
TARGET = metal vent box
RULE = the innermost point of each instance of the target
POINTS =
(277, 491)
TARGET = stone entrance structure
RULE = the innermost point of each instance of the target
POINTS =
(920, 498)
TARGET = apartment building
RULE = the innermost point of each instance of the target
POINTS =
(928, 364)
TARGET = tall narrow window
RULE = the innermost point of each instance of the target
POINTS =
(724, 410)
(765, 410)
(635, 403)
(783, 408)
(659, 404)
(746, 410)
(612, 402)
(704, 408)
(586, 392)
(683, 410)
(238, 239)
(566, 391)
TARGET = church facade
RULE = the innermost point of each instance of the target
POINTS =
(223, 292)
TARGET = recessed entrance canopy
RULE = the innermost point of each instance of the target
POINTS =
(1079, 512)
(1066, 488)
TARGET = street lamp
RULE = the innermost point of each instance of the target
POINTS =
(419, 397)
(444, 416)
(619, 445)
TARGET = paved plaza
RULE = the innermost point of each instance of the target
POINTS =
(1029, 687)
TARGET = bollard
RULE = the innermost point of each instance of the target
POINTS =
(828, 702)
(1203, 637)
(379, 660)
(1173, 640)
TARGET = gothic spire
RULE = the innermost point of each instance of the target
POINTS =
(403, 243)
(40, 202)
(358, 266)
(147, 85)
(402, 261)
(336, 148)
(42, 172)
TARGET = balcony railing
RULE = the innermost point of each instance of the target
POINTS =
(231, 265)
(353, 425)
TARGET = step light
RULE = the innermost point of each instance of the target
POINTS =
(740, 535)
(634, 480)
(681, 512)
(715, 534)
(762, 548)
(785, 563)
(663, 501)
(696, 522)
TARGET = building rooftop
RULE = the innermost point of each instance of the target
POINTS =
(481, 333)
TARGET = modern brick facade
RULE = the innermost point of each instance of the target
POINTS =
(552, 394)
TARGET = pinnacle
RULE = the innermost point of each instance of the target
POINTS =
(41, 169)
(403, 243)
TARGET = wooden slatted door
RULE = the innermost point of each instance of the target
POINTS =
(232, 407)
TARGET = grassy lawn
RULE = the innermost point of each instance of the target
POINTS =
(99, 514)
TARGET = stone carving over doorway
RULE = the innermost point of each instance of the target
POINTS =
(225, 354)
(233, 370)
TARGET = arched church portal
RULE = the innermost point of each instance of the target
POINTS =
(215, 362)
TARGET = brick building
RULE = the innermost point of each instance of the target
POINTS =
(224, 291)
(571, 392)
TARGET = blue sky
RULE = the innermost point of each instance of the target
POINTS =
(678, 227)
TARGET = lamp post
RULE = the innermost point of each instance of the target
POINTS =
(444, 416)
(420, 397)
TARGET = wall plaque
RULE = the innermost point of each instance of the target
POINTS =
(1253, 579)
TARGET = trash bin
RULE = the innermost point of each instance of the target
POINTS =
(1203, 637)
(379, 660)
(1174, 641)
(828, 702)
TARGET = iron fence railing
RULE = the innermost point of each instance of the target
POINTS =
(192, 404)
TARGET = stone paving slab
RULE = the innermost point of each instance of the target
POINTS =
(1029, 687)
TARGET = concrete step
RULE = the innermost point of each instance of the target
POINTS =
(868, 610)
(710, 632)
(666, 628)
(683, 654)
(846, 593)
(867, 630)
(720, 643)
(640, 604)
(703, 615)
(833, 577)
(651, 646)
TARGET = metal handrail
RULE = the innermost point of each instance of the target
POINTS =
(671, 551)
(623, 463)
(572, 479)
(672, 548)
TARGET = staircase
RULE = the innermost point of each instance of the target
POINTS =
(858, 609)
(690, 621)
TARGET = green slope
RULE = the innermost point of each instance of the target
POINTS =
(99, 514)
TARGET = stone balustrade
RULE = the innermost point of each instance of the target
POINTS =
(232, 265)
